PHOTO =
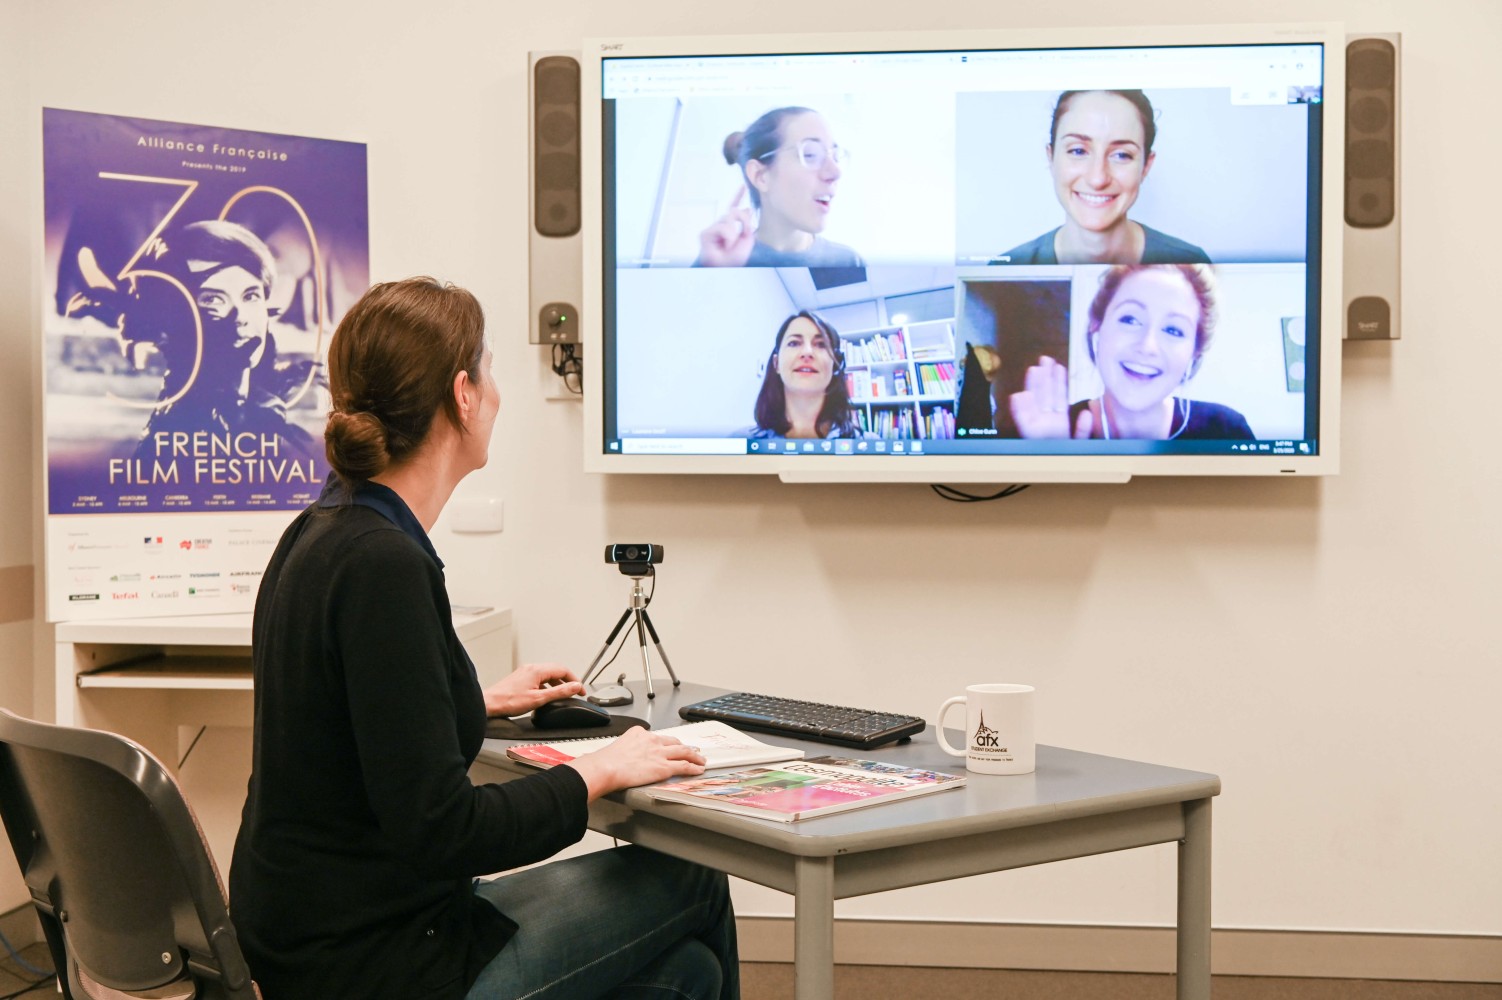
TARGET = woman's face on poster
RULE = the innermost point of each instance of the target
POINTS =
(234, 300)
(1146, 341)
(1098, 160)
(797, 182)
(805, 359)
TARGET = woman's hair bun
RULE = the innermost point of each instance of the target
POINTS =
(356, 444)
(732, 148)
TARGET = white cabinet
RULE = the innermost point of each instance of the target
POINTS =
(145, 677)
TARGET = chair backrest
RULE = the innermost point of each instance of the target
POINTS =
(126, 890)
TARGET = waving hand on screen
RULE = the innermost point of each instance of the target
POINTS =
(1041, 409)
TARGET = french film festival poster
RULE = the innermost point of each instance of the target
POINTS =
(193, 277)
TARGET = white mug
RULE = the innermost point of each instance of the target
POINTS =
(998, 728)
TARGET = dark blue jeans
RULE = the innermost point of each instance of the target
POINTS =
(628, 924)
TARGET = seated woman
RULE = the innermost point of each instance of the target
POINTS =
(1148, 330)
(355, 868)
(803, 392)
(1100, 150)
(790, 165)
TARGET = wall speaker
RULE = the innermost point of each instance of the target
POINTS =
(555, 264)
(1373, 226)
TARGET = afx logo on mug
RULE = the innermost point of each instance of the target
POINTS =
(986, 738)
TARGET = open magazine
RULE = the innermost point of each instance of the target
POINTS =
(801, 789)
(721, 745)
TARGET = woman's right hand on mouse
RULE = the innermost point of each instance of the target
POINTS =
(728, 240)
(531, 685)
(637, 757)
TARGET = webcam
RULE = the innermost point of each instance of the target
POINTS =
(638, 560)
(637, 554)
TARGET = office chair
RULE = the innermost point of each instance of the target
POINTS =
(127, 893)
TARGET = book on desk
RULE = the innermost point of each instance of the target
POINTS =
(803, 789)
(721, 746)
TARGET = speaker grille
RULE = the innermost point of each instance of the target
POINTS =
(1370, 64)
(1371, 133)
(555, 146)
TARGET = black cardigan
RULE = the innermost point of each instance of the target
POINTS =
(361, 830)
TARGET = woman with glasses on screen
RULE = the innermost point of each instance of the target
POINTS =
(790, 165)
(356, 868)
(803, 392)
(1100, 150)
(1147, 333)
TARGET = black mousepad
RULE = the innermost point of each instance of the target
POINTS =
(522, 729)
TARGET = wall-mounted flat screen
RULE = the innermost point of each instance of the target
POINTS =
(993, 258)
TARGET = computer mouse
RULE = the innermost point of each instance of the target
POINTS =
(569, 713)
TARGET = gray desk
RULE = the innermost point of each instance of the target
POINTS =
(1075, 804)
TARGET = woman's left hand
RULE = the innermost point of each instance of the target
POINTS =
(530, 685)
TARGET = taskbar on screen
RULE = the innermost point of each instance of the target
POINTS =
(784, 447)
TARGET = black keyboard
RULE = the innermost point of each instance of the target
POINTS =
(860, 728)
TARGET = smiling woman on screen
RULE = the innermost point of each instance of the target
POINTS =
(803, 391)
(1149, 328)
(1100, 151)
(790, 166)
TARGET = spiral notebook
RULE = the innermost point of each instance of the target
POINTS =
(721, 745)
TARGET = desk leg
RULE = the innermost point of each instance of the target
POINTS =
(813, 928)
(1194, 903)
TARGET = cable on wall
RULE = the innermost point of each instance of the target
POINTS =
(960, 496)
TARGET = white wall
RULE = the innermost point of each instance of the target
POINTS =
(16, 351)
(17, 633)
(1328, 647)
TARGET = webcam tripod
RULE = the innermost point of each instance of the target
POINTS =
(641, 622)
